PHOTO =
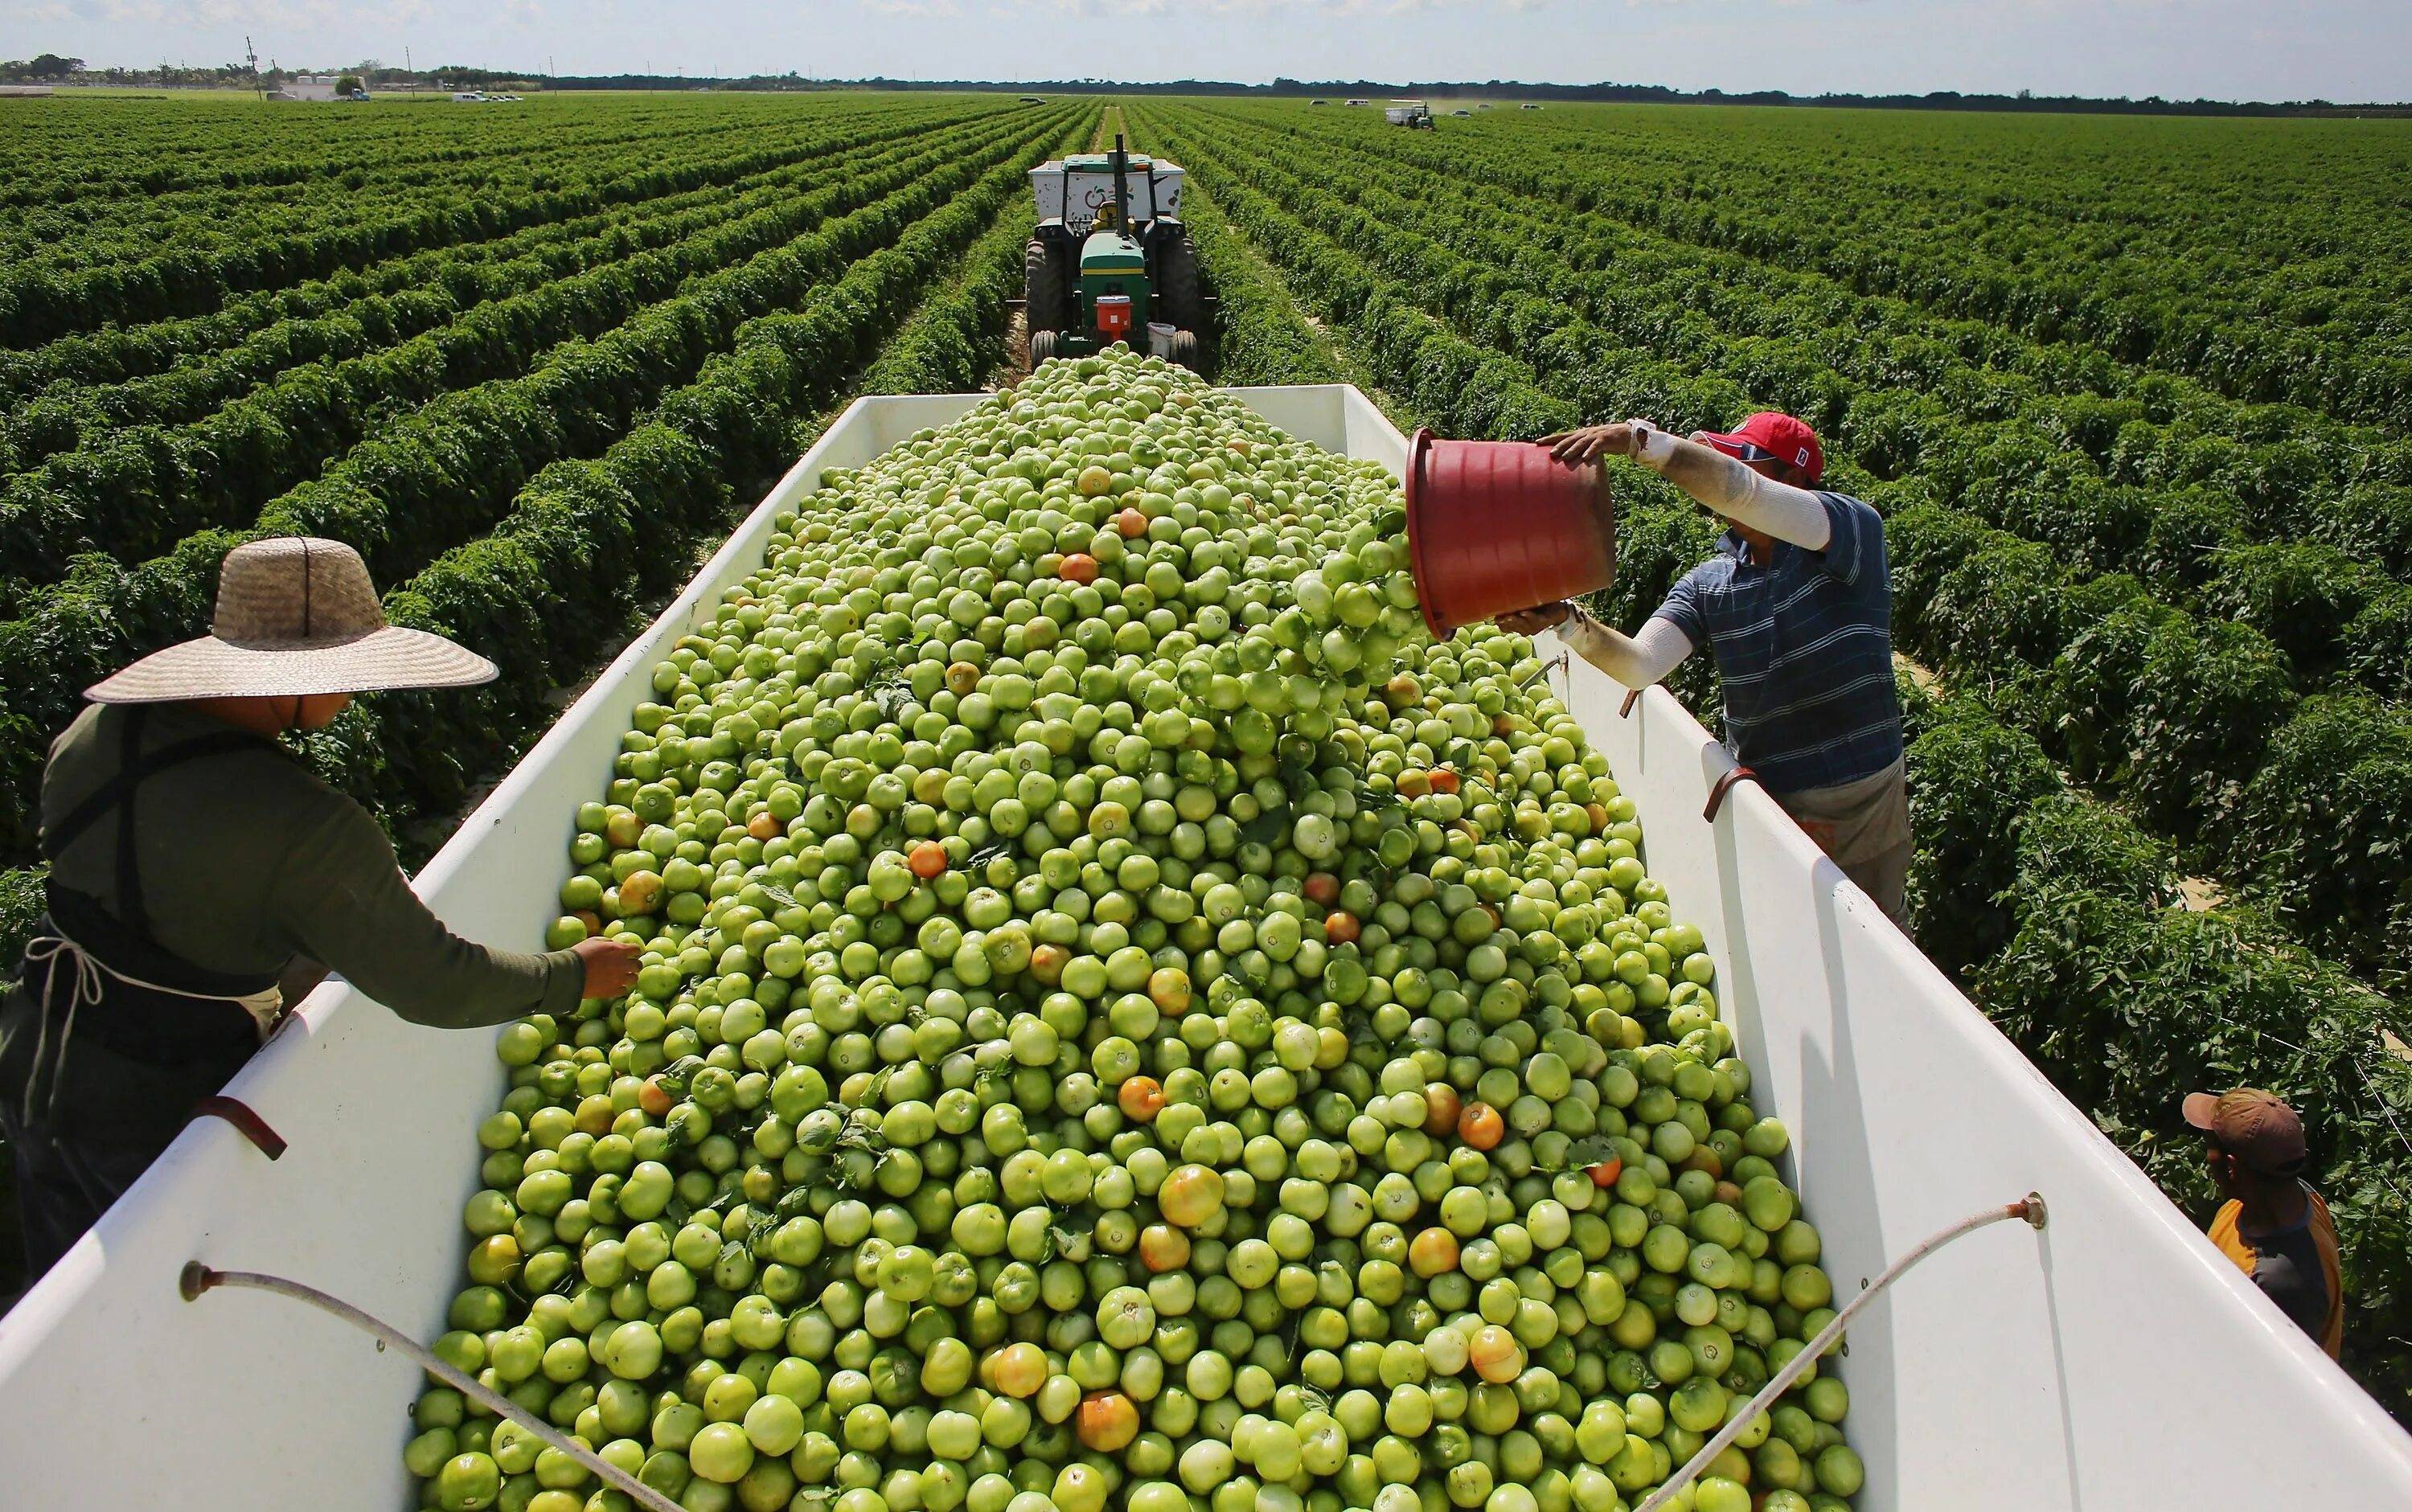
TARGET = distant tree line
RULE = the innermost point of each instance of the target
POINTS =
(50, 68)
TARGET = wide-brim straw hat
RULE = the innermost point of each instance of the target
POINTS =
(296, 615)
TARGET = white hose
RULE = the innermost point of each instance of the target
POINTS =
(197, 1278)
(2031, 1209)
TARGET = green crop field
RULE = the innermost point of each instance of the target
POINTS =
(2135, 396)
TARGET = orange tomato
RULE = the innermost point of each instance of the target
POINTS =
(927, 860)
(1481, 1126)
(1131, 523)
(1190, 1196)
(763, 827)
(1339, 928)
(1078, 567)
(1496, 1356)
(1107, 1422)
(1606, 1171)
(1322, 888)
(1444, 780)
(1020, 1369)
(1140, 1099)
(1442, 1106)
(654, 1098)
(1412, 784)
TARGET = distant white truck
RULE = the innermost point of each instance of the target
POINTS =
(1413, 114)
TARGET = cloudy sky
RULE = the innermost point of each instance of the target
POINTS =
(2345, 50)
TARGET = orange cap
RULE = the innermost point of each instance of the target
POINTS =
(2253, 1125)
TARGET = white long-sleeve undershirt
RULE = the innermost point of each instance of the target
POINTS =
(1635, 660)
(1736, 491)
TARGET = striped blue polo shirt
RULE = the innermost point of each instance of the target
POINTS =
(1804, 642)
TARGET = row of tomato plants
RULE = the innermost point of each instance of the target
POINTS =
(37, 304)
(559, 581)
(444, 474)
(445, 284)
(2314, 817)
(507, 156)
(144, 490)
(2240, 473)
(2205, 264)
(2112, 988)
(120, 354)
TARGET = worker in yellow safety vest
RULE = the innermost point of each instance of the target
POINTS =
(194, 864)
(2273, 1225)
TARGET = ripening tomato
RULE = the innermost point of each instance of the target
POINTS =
(1481, 1126)
(1140, 1099)
(1412, 784)
(1340, 927)
(1131, 523)
(1078, 567)
(1444, 780)
(1432, 1251)
(1163, 1247)
(1020, 1369)
(1322, 888)
(1442, 1107)
(1190, 1196)
(1606, 1171)
(1107, 1422)
(927, 860)
(763, 826)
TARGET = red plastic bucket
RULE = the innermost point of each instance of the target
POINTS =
(1494, 526)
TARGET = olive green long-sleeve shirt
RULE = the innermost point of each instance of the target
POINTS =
(246, 860)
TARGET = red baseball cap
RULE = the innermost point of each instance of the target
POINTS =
(1769, 435)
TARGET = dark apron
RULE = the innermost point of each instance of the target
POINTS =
(110, 1039)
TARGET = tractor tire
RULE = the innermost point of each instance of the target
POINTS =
(1184, 352)
(1042, 347)
(1177, 299)
(1043, 292)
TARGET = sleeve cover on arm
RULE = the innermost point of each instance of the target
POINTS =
(1796, 516)
(342, 896)
(1637, 660)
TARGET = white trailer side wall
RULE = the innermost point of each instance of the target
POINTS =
(2112, 1363)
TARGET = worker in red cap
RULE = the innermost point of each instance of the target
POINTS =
(1798, 608)
(2273, 1225)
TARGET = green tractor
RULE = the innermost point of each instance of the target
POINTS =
(1110, 261)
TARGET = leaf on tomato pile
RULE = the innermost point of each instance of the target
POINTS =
(679, 1075)
(1592, 1149)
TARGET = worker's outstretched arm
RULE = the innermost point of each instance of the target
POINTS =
(1635, 660)
(1724, 484)
(1735, 490)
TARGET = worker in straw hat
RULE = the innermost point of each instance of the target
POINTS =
(193, 861)
(1797, 609)
(2274, 1226)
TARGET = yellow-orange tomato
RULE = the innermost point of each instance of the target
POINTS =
(1047, 963)
(1190, 1196)
(1163, 1247)
(1432, 1251)
(1107, 1422)
(654, 1098)
(1496, 1356)
(764, 826)
(1444, 780)
(927, 860)
(1020, 1369)
(1140, 1099)
(1132, 524)
(963, 679)
(1412, 784)
(1078, 567)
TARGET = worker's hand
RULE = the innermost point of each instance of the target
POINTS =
(1591, 443)
(1532, 621)
(611, 964)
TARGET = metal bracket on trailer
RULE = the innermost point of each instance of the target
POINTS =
(1724, 784)
(248, 1123)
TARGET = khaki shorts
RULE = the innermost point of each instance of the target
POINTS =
(1864, 827)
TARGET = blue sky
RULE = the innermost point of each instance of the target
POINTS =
(2223, 49)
